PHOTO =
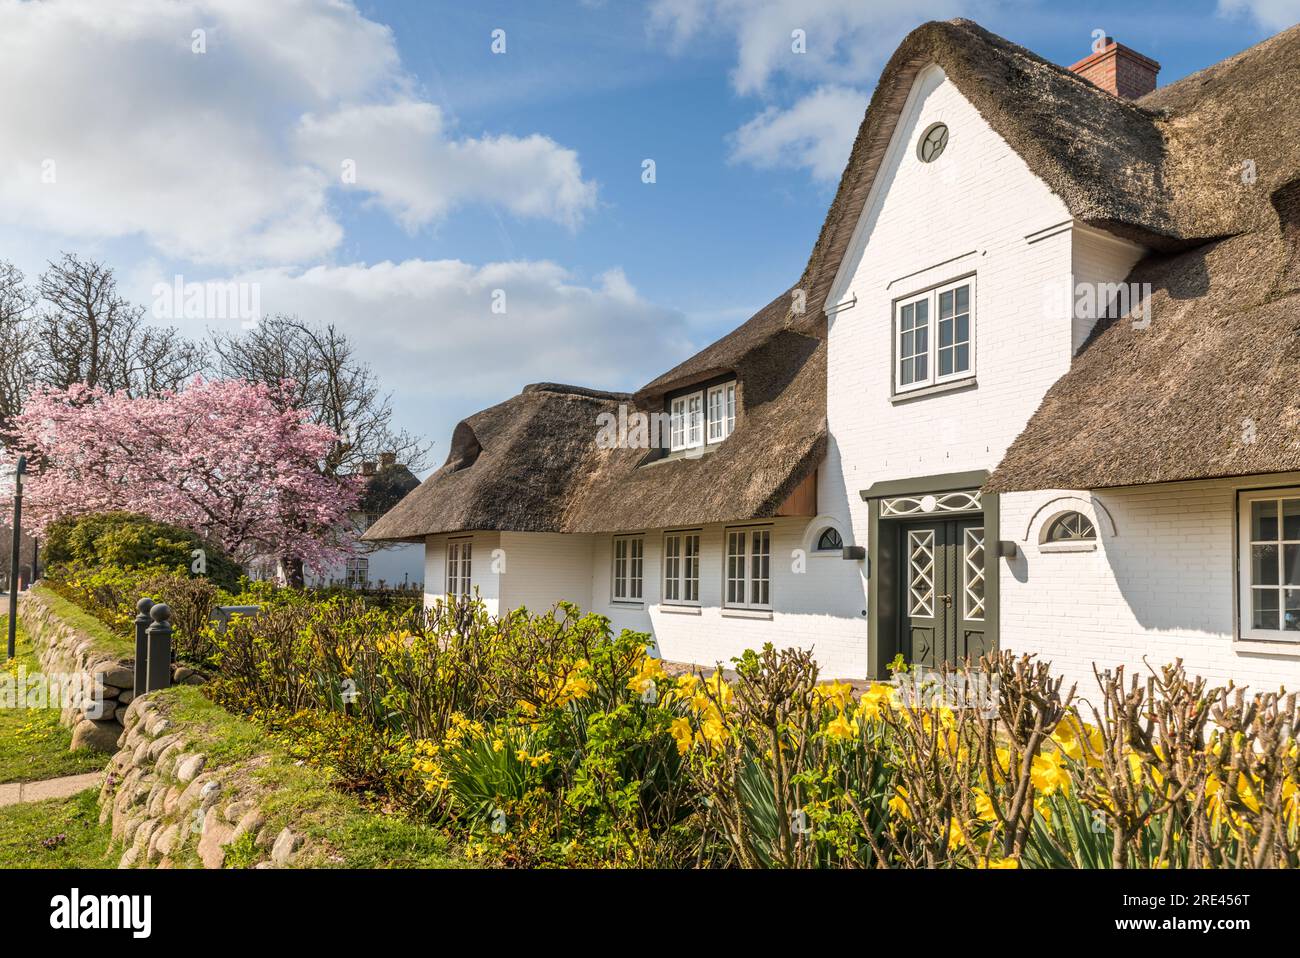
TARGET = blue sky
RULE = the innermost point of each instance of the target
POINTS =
(478, 172)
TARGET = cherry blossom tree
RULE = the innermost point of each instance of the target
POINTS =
(224, 458)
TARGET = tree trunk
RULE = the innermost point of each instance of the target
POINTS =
(293, 574)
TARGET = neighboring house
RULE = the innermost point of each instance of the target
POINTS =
(956, 433)
(379, 565)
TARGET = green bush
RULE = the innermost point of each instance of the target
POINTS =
(128, 541)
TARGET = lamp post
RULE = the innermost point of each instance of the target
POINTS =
(13, 555)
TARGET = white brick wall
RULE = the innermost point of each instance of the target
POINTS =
(1160, 584)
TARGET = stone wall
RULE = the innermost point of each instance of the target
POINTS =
(170, 807)
(96, 706)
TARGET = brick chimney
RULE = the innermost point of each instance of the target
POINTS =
(387, 460)
(1119, 71)
(368, 468)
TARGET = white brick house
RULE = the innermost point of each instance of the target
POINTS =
(956, 432)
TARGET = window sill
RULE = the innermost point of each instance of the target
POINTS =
(1290, 649)
(747, 613)
(953, 386)
(679, 609)
(628, 603)
(1067, 547)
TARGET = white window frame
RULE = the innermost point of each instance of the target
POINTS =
(687, 423)
(460, 566)
(931, 298)
(627, 572)
(681, 570)
(720, 428)
(1245, 587)
(356, 573)
(750, 566)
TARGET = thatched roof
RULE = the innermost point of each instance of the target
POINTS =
(386, 488)
(1136, 407)
(1212, 387)
(532, 463)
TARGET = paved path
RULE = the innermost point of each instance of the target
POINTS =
(16, 792)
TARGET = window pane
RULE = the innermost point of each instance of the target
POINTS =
(963, 357)
(945, 333)
(1263, 521)
(1290, 564)
(945, 362)
(1263, 565)
(906, 375)
(1291, 519)
(963, 299)
(907, 317)
(923, 312)
(1291, 618)
(945, 306)
(1265, 608)
(920, 368)
(963, 328)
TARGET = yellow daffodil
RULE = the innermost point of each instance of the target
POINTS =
(841, 727)
(1049, 773)
(680, 730)
(898, 804)
(984, 806)
(999, 863)
(650, 673)
(838, 694)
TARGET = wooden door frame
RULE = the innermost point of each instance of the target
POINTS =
(884, 568)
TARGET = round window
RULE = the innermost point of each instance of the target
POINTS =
(829, 540)
(932, 142)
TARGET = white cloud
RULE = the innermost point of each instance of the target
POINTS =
(846, 40)
(404, 158)
(816, 132)
(228, 156)
(844, 45)
(430, 327)
(1272, 14)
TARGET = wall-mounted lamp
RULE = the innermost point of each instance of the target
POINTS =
(855, 553)
(1007, 549)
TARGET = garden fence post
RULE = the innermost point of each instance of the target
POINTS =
(142, 645)
(160, 648)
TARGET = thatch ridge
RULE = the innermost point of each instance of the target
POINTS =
(1210, 389)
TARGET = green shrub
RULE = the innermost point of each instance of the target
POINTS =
(128, 541)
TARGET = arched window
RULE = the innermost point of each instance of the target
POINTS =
(830, 540)
(1071, 527)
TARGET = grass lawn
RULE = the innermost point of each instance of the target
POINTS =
(33, 745)
(106, 640)
(56, 833)
(346, 833)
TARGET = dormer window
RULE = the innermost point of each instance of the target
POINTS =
(722, 411)
(704, 417)
(934, 336)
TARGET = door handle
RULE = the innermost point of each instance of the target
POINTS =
(947, 599)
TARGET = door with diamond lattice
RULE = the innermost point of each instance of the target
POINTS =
(943, 596)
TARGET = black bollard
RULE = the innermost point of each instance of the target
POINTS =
(141, 643)
(159, 635)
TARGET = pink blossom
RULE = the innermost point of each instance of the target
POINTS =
(218, 457)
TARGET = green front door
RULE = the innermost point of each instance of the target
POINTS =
(942, 605)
